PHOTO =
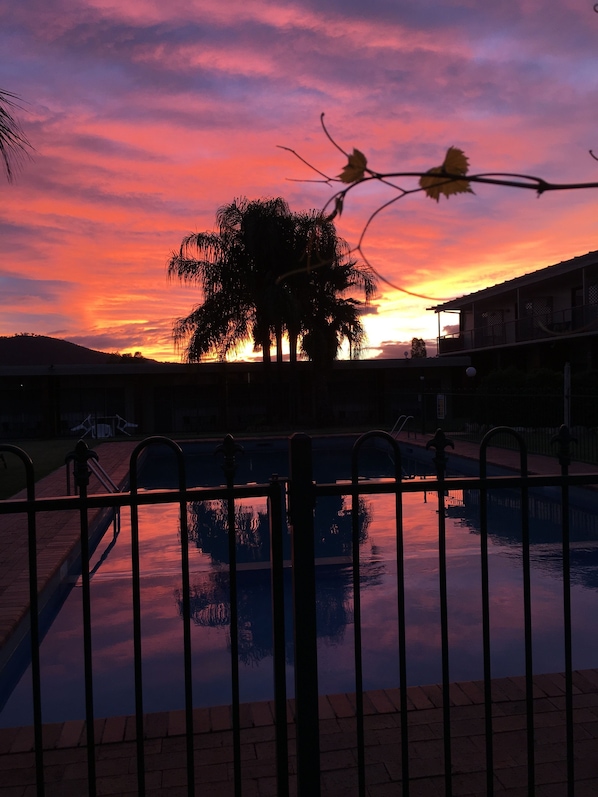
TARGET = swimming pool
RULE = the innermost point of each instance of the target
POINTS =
(62, 657)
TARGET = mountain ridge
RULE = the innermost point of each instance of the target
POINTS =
(44, 350)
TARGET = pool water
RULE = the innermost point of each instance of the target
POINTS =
(62, 649)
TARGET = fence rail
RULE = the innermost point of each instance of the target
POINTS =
(298, 496)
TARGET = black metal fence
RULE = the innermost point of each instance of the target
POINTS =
(540, 440)
(298, 497)
(537, 416)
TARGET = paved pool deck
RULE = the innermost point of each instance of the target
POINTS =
(65, 753)
(536, 463)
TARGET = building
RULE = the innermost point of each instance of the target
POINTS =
(182, 399)
(540, 320)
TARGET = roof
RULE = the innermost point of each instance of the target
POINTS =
(557, 270)
(150, 368)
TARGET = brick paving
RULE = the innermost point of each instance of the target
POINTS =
(65, 756)
(65, 751)
(537, 463)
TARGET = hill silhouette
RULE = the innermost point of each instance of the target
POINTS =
(42, 350)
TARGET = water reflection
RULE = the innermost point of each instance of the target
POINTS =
(545, 530)
(210, 606)
(162, 643)
(210, 598)
(208, 530)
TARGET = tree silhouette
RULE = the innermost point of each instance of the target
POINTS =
(418, 348)
(328, 315)
(13, 142)
(233, 267)
(267, 272)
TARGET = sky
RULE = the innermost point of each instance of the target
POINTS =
(146, 116)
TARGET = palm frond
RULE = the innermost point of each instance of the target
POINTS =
(14, 145)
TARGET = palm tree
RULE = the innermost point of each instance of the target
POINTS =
(13, 142)
(328, 315)
(265, 230)
(331, 314)
(236, 268)
(266, 273)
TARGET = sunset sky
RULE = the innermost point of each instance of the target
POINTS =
(146, 116)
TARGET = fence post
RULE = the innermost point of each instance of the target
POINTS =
(80, 456)
(276, 508)
(33, 612)
(301, 518)
(439, 442)
(229, 449)
(564, 439)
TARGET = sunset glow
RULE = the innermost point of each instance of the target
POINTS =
(146, 117)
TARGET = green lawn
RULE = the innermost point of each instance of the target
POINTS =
(47, 456)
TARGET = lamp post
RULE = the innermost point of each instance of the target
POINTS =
(567, 395)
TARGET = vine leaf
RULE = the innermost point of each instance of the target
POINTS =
(354, 171)
(338, 207)
(455, 163)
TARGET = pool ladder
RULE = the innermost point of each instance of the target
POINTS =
(98, 471)
(111, 487)
(400, 422)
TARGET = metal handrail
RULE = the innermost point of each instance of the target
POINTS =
(102, 476)
(404, 419)
(98, 471)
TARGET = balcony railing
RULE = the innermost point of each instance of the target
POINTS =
(572, 321)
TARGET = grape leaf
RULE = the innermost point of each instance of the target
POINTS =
(435, 184)
(355, 168)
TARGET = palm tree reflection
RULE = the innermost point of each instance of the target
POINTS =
(210, 598)
(208, 530)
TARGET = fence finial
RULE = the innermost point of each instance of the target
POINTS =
(440, 441)
(80, 456)
(564, 438)
(230, 449)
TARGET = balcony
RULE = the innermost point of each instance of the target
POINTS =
(572, 321)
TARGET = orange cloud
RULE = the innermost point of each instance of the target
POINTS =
(151, 116)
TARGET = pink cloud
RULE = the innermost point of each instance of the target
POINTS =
(151, 116)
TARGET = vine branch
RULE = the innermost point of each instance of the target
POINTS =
(452, 177)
